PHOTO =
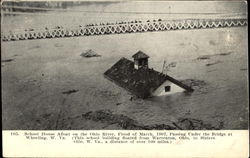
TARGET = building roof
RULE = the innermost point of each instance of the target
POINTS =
(141, 82)
(140, 55)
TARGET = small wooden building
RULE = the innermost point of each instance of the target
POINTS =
(139, 79)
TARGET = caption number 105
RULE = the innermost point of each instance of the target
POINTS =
(14, 133)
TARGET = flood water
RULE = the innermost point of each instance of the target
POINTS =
(33, 82)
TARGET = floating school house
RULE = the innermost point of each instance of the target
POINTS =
(142, 81)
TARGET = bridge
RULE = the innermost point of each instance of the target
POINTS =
(121, 28)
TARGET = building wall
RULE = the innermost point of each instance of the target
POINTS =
(161, 90)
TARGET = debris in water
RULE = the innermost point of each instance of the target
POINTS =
(210, 64)
(90, 53)
(133, 98)
(197, 85)
(205, 57)
(106, 116)
(7, 60)
(223, 54)
(194, 82)
(70, 91)
(195, 124)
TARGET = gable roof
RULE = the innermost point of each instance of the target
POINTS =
(141, 82)
(140, 55)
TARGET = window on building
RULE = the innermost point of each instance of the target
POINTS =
(167, 88)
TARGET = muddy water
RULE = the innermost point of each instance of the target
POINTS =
(40, 71)
(34, 82)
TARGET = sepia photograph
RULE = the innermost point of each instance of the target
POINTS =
(124, 65)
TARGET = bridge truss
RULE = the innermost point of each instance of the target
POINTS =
(121, 28)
